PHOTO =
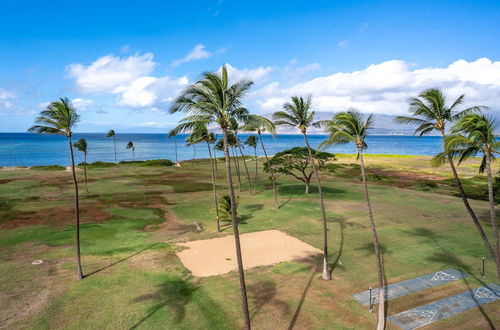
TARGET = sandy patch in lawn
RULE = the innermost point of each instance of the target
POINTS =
(217, 256)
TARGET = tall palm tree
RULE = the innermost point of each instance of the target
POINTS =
(235, 127)
(431, 113)
(199, 132)
(112, 134)
(231, 140)
(471, 135)
(251, 141)
(347, 127)
(193, 140)
(212, 141)
(81, 145)
(213, 100)
(59, 118)
(130, 145)
(259, 125)
(297, 113)
(173, 134)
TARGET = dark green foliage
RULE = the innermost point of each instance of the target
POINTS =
(48, 168)
(98, 164)
(157, 162)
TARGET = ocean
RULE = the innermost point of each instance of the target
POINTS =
(27, 149)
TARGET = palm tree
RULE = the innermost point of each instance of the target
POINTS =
(231, 139)
(59, 118)
(212, 139)
(192, 140)
(173, 134)
(130, 145)
(347, 127)
(431, 113)
(213, 100)
(471, 135)
(251, 141)
(112, 134)
(235, 128)
(259, 125)
(81, 145)
(297, 114)
(200, 133)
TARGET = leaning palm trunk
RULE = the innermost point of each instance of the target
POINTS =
(256, 170)
(236, 234)
(246, 170)
(237, 168)
(326, 272)
(272, 173)
(114, 142)
(491, 198)
(376, 245)
(215, 162)
(472, 213)
(214, 187)
(85, 170)
(77, 212)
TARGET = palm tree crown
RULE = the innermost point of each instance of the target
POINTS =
(111, 133)
(81, 145)
(130, 145)
(58, 118)
(251, 141)
(473, 134)
(259, 125)
(296, 113)
(212, 100)
(345, 127)
(430, 111)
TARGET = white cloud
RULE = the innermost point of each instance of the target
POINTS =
(197, 53)
(256, 75)
(343, 44)
(292, 72)
(83, 104)
(110, 72)
(129, 78)
(385, 87)
(6, 99)
(154, 124)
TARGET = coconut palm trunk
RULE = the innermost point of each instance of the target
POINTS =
(471, 212)
(246, 170)
(214, 187)
(237, 168)
(243, 290)
(114, 142)
(273, 179)
(215, 163)
(194, 155)
(256, 169)
(77, 212)
(376, 245)
(326, 271)
(85, 170)
(491, 199)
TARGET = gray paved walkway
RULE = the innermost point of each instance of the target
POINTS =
(438, 310)
(412, 285)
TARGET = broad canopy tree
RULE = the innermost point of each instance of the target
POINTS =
(297, 163)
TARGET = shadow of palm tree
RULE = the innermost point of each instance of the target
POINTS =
(263, 293)
(173, 293)
(121, 260)
(303, 298)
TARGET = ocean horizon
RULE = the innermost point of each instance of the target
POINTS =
(28, 149)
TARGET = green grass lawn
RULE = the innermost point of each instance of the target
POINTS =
(134, 215)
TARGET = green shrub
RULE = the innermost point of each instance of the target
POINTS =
(157, 162)
(331, 167)
(424, 183)
(48, 168)
(98, 164)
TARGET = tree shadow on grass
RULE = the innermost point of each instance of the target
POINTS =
(369, 248)
(173, 293)
(121, 260)
(303, 297)
(264, 293)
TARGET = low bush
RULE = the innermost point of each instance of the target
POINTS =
(48, 168)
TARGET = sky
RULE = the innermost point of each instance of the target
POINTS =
(123, 62)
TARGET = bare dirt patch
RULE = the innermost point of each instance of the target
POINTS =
(57, 216)
(217, 256)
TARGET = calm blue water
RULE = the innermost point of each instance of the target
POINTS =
(28, 149)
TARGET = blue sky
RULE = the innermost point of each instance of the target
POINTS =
(122, 62)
